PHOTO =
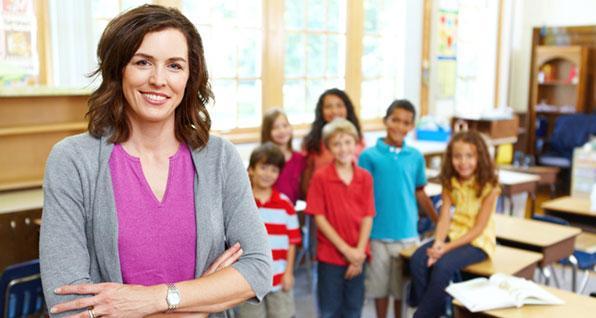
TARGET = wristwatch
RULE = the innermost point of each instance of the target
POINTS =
(173, 297)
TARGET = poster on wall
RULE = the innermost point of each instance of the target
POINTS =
(19, 62)
(447, 52)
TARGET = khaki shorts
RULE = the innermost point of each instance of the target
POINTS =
(384, 275)
(279, 304)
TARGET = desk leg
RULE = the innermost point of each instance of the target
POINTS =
(510, 197)
(533, 203)
(573, 262)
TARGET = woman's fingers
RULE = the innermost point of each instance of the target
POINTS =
(217, 264)
(82, 289)
(231, 260)
(80, 303)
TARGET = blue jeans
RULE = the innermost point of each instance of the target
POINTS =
(429, 283)
(339, 297)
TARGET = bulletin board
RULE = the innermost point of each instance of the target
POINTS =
(19, 62)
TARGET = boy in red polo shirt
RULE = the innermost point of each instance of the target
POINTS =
(340, 197)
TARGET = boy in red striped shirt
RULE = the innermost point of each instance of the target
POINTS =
(277, 212)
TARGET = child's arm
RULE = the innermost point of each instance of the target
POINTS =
(352, 254)
(426, 204)
(287, 281)
(486, 209)
(365, 228)
(444, 218)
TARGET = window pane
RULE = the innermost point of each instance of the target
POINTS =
(249, 53)
(294, 14)
(371, 59)
(314, 88)
(316, 15)
(294, 56)
(336, 46)
(316, 55)
(371, 99)
(250, 13)
(222, 54)
(224, 13)
(371, 13)
(249, 103)
(223, 111)
(335, 16)
(199, 12)
(294, 99)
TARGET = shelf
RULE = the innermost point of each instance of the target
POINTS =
(39, 129)
(553, 113)
(557, 83)
(20, 184)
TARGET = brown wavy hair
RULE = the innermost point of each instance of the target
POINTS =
(485, 170)
(119, 42)
(267, 125)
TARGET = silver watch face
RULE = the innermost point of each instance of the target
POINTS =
(173, 297)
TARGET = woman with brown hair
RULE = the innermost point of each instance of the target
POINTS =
(137, 209)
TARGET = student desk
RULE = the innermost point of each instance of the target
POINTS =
(548, 175)
(573, 209)
(554, 241)
(575, 306)
(429, 149)
(507, 260)
(19, 235)
(516, 182)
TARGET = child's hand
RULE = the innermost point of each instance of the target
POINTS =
(436, 252)
(431, 261)
(353, 271)
(287, 281)
(355, 256)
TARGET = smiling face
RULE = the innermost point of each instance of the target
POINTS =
(398, 124)
(263, 175)
(333, 107)
(342, 146)
(155, 78)
(464, 159)
(281, 131)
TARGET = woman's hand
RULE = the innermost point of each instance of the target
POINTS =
(353, 271)
(229, 257)
(434, 253)
(111, 300)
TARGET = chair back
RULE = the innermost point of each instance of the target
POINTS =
(21, 294)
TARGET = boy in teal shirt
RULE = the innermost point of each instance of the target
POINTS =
(399, 178)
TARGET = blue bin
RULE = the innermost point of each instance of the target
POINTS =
(433, 135)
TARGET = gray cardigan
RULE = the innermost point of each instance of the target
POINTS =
(79, 232)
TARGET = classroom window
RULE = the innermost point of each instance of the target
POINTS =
(314, 56)
(232, 36)
(382, 56)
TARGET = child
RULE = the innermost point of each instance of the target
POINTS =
(470, 185)
(276, 128)
(399, 178)
(341, 199)
(333, 103)
(277, 212)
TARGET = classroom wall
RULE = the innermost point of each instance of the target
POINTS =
(528, 14)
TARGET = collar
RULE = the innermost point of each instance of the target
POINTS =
(383, 147)
(331, 173)
(457, 184)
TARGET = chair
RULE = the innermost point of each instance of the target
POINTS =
(570, 131)
(578, 260)
(21, 294)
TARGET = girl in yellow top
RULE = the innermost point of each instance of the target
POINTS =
(470, 186)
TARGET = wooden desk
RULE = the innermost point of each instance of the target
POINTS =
(553, 241)
(575, 306)
(573, 209)
(21, 200)
(507, 260)
(516, 182)
(548, 175)
(586, 242)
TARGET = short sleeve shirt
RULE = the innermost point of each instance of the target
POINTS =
(343, 205)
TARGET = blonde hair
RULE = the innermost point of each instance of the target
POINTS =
(339, 126)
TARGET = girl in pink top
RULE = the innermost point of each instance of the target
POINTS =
(333, 103)
(276, 128)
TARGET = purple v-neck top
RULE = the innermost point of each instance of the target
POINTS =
(156, 239)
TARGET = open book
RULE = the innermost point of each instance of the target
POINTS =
(500, 291)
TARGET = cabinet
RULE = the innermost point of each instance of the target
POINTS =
(560, 77)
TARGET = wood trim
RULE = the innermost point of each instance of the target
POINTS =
(43, 42)
(273, 55)
(425, 65)
(531, 117)
(354, 49)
